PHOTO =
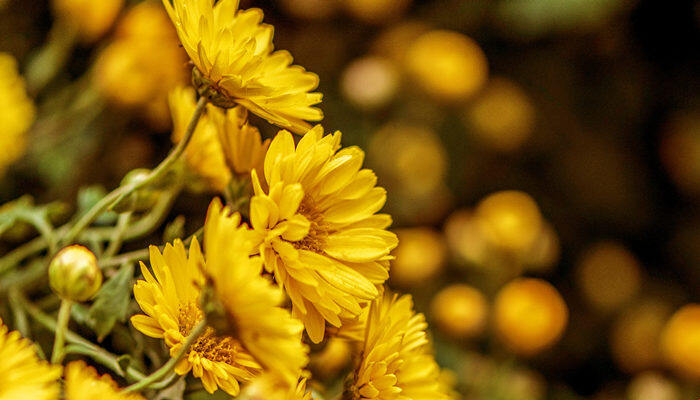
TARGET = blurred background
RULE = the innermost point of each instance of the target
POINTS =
(542, 159)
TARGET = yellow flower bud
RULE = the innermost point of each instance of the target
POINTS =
(680, 341)
(140, 200)
(74, 274)
(460, 311)
(529, 315)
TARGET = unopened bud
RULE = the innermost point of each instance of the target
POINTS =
(141, 199)
(74, 274)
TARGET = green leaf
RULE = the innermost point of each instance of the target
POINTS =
(112, 302)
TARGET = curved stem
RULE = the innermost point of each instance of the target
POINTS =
(104, 358)
(121, 192)
(116, 240)
(108, 359)
(163, 371)
(61, 327)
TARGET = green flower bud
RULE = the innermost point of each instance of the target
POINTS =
(74, 274)
(140, 200)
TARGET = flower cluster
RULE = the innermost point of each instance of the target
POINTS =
(296, 253)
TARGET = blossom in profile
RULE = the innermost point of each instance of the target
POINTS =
(233, 56)
(22, 374)
(204, 154)
(17, 114)
(318, 229)
(84, 383)
(243, 148)
(396, 362)
(251, 302)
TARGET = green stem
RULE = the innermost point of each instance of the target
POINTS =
(121, 192)
(104, 358)
(20, 314)
(115, 242)
(48, 61)
(61, 327)
(17, 255)
(108, 359)
(139, 255)
(163, 371)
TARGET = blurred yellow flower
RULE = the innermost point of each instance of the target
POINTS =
(529, 315)
(252, 302)
(84, 383)
(395, 362)
(17, 112)
(204, 153)
(465, 239)
(680, 150)
(509, 220)
(170, 300)
(318, 230)
(448, 65)
(91, 18)
(653, 386)
(395, 41)
(22, 374)
(609, 275)
(146, 21)
(233, 54)
(370, 82)
(420, 256)
(460, 311)
(502, 117)
(335, 356)
(243, 148)
(544, 253)
(376, 11)
(680, 341)
(143, 63)
(269, 387)
(409, 157)
(634, 338)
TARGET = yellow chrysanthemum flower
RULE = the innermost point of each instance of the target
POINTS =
(22, 374)
(233, 54)
(171, 303)
(252, 302)
(318, 231)
(84, 383)
(17, 112)
(90, 18)
(269, 387)
(243, 147)
(204, 153)
(395, 361)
